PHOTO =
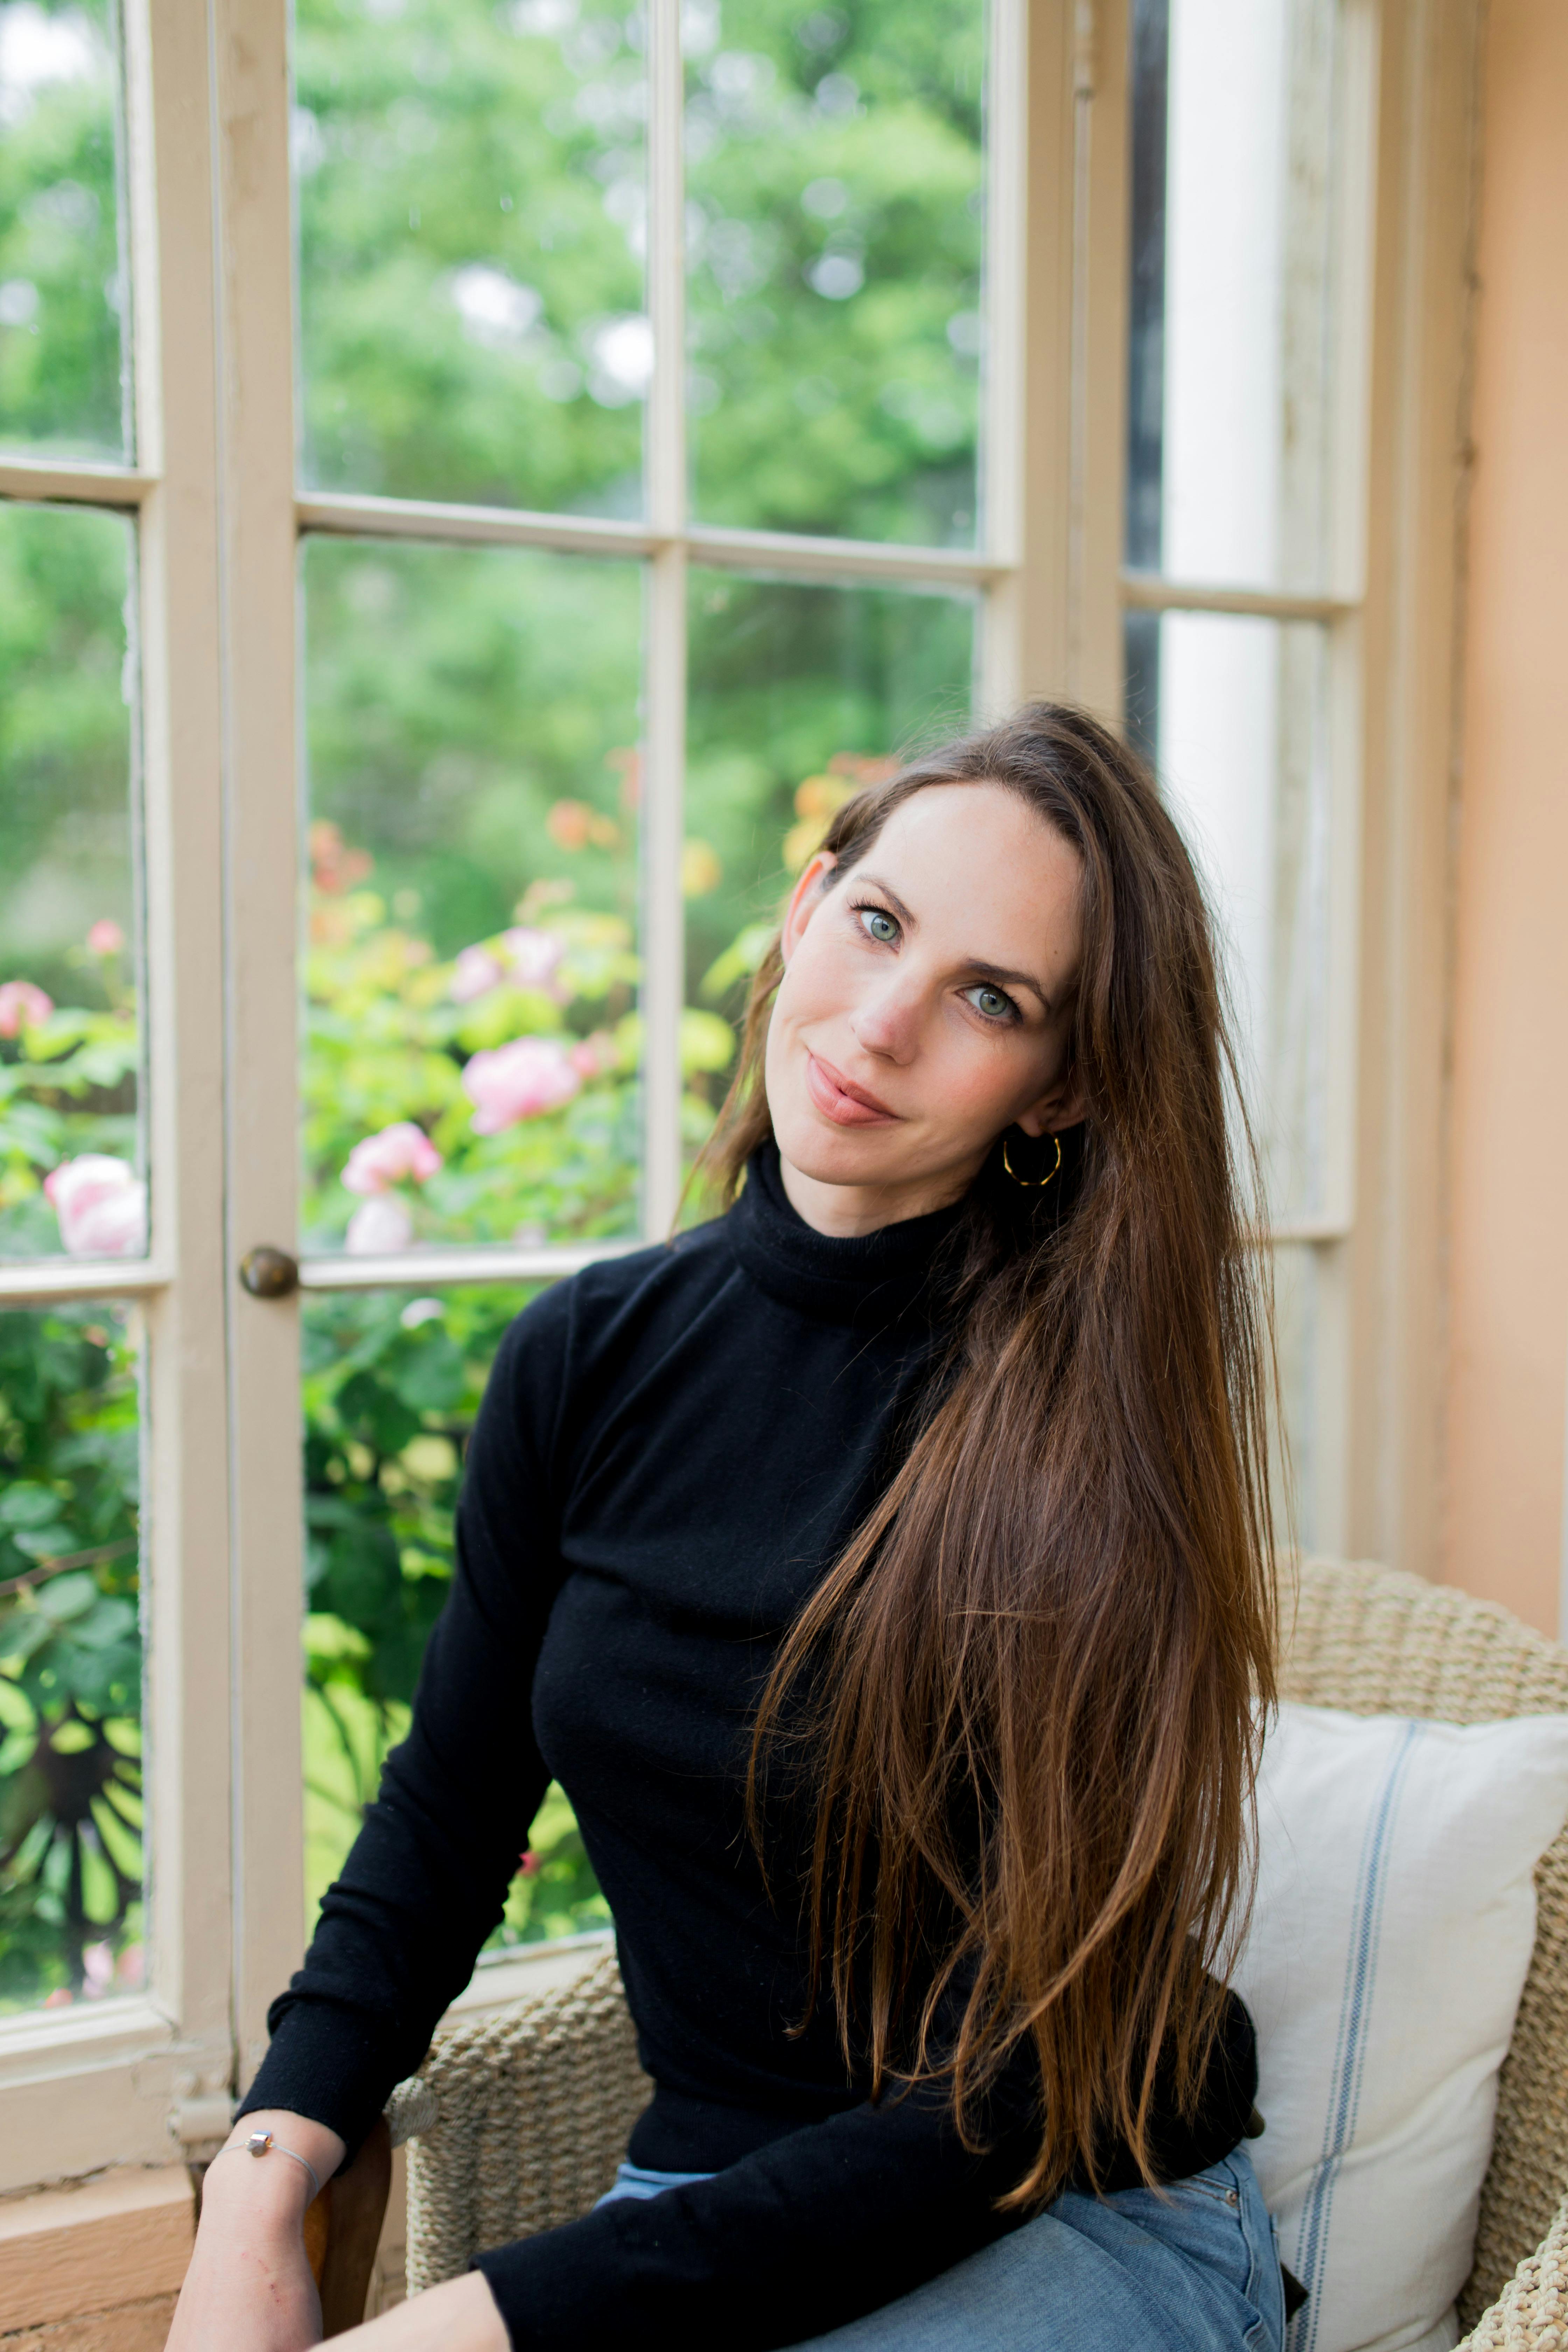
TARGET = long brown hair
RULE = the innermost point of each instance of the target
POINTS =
(1028, 1693)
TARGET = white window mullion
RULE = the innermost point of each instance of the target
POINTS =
(664, 670)
(187, 1498)
(261, 850)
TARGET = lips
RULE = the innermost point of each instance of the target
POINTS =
(839, 1099)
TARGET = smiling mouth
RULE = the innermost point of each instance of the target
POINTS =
(837, 1098)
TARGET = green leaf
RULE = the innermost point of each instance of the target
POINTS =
(26, 1504)
(65, 1597)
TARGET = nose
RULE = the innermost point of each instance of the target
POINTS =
(886, 1021)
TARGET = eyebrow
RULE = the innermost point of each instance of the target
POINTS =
(971, 964)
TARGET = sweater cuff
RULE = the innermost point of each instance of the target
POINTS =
(324, 2063)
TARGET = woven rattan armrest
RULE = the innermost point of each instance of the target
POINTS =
(1531, 2313)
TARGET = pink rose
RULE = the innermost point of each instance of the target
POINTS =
(105, 939)
(381, 1228)
(397, 1153)
(518, 1081)
(593, 1056)
(101, 1206)
(22, 1007)
(533, 956)
(475, 974)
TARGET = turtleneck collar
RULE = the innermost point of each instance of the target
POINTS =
(870, 1281)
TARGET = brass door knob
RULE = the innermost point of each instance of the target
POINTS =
(269, 1273)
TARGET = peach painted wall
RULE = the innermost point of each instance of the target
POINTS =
(1509, 1269)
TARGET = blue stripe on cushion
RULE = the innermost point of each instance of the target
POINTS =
(1350, 2043)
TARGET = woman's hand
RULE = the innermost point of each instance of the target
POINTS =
(248, 2287)
(460, 2316)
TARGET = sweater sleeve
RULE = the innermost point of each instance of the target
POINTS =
(833, 2221)
(425, 1881)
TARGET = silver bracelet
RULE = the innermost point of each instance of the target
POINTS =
(261, 2142)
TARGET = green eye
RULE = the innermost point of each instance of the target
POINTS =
(991, 1003)
(881, 927)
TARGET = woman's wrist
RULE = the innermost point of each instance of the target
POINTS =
(280, 2183)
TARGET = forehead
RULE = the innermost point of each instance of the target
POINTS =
(975, 864)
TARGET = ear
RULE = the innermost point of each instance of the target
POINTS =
(803, 901)
(1061, 1106)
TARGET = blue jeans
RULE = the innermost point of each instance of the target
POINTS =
(1190, 2268)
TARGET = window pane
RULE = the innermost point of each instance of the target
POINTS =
(64, 287)
(799, 695)
(1236, 146)
(1239, 732)
(70, 1656)
(72, 1180)
(471, 202)
(472, 1043)
(392, 1385)
(834, 180)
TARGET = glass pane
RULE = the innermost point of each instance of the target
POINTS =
(1236, 150)
(1236, 712)
(471, 199)
(472, 1042)
(70, 1656)
(799, 696)
(64, 283)
(835, 181)
(392, 1385)
(72, 1179)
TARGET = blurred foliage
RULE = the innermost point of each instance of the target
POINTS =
(63, 289)
(833, 190)
(473, 224)
(70, 1660)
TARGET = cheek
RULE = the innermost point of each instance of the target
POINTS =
(819, 979)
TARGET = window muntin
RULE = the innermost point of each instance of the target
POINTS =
(835, 179)
(64, 307)
(470, 186)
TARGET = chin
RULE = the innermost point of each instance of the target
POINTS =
(832, 1155)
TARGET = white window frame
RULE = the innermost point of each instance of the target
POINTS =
(220, 519)
(92, 2085)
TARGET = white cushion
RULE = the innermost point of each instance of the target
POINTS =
(1391, 1936)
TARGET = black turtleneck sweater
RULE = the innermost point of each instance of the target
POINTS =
(673, 1448)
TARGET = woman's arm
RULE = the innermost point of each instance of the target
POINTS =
(249, 2287)
(460, 2316)
(427, 1879)
(833, 2221)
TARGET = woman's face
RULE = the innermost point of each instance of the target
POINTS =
(926, 1004)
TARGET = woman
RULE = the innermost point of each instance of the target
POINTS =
(884, 1571)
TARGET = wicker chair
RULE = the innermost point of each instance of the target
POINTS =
(517, 2120)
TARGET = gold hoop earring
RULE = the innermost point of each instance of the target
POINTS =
(1031, 1181)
